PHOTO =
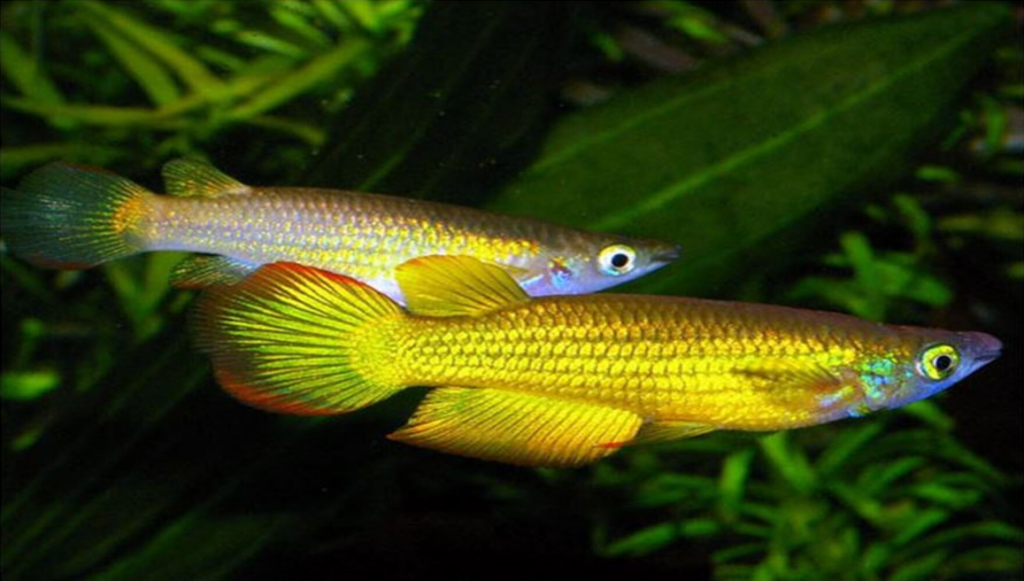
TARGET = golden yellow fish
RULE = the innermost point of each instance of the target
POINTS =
(560, 380)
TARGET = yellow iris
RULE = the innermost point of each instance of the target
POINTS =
(938, 362)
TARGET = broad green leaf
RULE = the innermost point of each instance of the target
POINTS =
(728, 161)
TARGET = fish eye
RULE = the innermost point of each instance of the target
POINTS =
(617, 259)
(938, 362)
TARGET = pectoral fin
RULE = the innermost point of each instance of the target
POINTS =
(449, 286)
(517, 428)
(191, 177)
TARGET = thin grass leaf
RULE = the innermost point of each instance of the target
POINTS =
(331, 12)
(26, 73)
(310, 135)
(991, 562)
(732, 483)
(15, 160)
(94, 114)
(789, 462)
(919, 524)
(293, 16)
(147, 72)
(216, 545)
(319, 70)
(921, 569)
(191, 71)
(845, 446)
(657, 537)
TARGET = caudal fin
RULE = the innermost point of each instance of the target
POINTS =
(298, 340)
(71, 216)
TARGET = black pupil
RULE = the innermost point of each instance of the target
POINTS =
(943, 362)
(620, 260)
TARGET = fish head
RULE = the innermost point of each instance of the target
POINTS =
(928, 361)
(598, 263)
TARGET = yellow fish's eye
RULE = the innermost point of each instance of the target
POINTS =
(938, 362)
(617, 259)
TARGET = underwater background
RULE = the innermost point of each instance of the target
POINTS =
(858, 156)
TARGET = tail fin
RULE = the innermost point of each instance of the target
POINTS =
(299, 340)
(71, 216)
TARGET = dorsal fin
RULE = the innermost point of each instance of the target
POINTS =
(192, 177)
(451, 286)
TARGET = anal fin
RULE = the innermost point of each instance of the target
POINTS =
(201, 271)
(517, 428)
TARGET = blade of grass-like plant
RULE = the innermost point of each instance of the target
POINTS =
(148, 72)
(845, 446)
(724, 161)
(16, 159)
(789, 461)
(26, 73)
(733, 481)
(95, 114)
(447, 118)
(318, 70)
(193, 72)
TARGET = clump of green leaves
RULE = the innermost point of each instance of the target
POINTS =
(862, 503)
(273, 68)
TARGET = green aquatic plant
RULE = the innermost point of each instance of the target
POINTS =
(122, 460)
(878, 501)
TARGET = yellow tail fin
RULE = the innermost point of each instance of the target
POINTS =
(299, 340)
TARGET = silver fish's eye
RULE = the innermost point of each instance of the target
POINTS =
(938, 362)
(617, 259)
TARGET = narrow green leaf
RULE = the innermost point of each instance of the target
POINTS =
(920, 523)
(91, 114)
(789, 461)
(193, 72)
(733, 481)
(726, 160)
(922, 569)
(318, 70)
(26, 73)
(644, 541)
(27, 385)
(148, 72)
(845, 446)
(14, 160)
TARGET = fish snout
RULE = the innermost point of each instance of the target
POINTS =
(665, 253)
(981, 348)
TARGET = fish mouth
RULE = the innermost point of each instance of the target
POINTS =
(984, 348)
(668, 253)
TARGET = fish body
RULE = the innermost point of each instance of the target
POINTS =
(560, 380)
(68, 215)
